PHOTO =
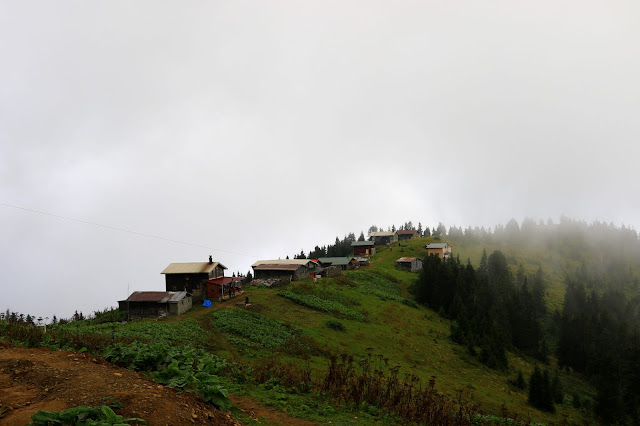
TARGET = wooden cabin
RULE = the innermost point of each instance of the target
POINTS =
(223, 288)
(288, 269)
(363, 248)
(192, 277)
(412, 264)
(442, 250)
(155, 304)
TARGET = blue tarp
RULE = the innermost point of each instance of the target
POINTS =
(207, 303)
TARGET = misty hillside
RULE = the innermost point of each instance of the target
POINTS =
(532, 321)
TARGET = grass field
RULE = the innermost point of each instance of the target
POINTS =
(366, 311)
(414, 338)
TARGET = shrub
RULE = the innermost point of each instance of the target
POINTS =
(335, 325)
(314, 302)
(256, 328)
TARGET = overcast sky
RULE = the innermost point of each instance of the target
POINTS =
(262, 128)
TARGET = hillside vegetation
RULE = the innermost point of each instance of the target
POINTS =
(342, 349)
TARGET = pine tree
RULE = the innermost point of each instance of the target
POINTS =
(535, 387)
(520, 382)
(556, 389)
(540, 394)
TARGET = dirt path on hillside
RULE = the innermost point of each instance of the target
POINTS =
(261, 413)
(41, 379)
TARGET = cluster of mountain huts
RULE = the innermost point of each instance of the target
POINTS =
(202, 282)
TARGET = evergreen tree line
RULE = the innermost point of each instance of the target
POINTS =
(599, 335)
(28, 319)
(492, 309)
(409, 226)
(544, 392)
(602, 248)
(342, 247)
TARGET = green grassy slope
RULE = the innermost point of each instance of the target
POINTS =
(414, 338)
(366, 311)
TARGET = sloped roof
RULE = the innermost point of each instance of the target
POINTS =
(383, 234)
(437, 245)
(338, 261)
(361, 243)
(157, 296)
(405, 232)
(224, 280)
(286, 262)
(276, 267)
(407, 259)
(192, 268)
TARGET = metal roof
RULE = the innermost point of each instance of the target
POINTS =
(192, 268)
(298, 262)
(335, 260)
(382, 234)
(407, 259)
(224, 280)
(437, 245)
(276, 267)
(404, 232)
(361, 243)
(157, 296)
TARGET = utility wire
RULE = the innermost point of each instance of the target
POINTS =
(142, 234)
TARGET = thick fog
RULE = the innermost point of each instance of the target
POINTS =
(255, 129)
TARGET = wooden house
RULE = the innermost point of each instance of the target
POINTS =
(223, 288)
(155, 304)
(343, 262)
(192, 277)
(383, 238)
(288, 269)
(363, 261)
(442, 250)
(363, 248)
(413, 264)
(406, 235)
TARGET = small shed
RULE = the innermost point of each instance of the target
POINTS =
(155, 304)
(412, 264)
(442, 250)
(343, 262)
(363, 261)
(288, 269)
(383, 238)
(363, 248)
(407, 234)
(224, 287)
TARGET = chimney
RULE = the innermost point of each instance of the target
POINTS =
(210, 260)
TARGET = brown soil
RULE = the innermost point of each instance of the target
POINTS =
(41, 379)
(262, 414)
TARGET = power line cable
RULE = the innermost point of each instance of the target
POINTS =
(142, 234)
